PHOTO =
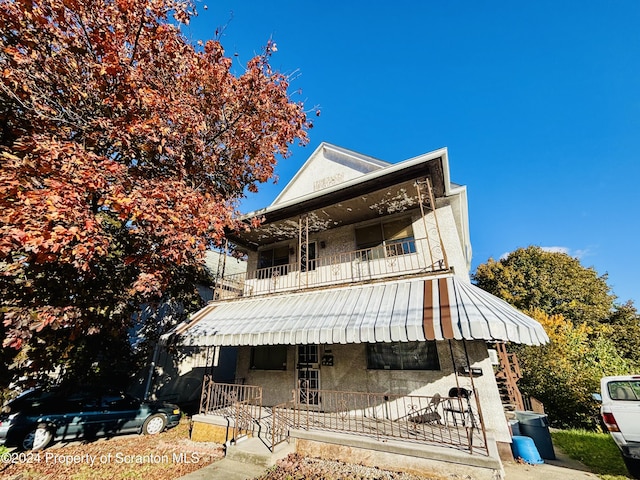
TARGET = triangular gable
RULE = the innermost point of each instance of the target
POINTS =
(327, 166)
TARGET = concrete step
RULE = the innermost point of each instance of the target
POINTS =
(253, 451)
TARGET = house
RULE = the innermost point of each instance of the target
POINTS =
(356, 319)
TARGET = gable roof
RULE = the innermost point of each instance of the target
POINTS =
(338, 203)
(328, 165)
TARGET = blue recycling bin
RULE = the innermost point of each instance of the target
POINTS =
(536, 426)
(525, 450)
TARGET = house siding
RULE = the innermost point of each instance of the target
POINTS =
(349, 373)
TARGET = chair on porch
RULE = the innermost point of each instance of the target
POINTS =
(459, 406)
(430, 413)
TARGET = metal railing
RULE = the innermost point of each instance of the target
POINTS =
(242, 403)
(399, 258)
(435, 420)
(283, 418)
(223, 398)
(419, 419)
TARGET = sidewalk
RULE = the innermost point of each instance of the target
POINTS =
(246, 460)
(563, 467)
(226, 469)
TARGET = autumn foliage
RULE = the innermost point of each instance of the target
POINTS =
(124, 150)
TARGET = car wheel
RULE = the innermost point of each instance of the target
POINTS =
(37, 439)
(633, 465)
(154, 424)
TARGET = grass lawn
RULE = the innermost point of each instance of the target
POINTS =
(596, 450)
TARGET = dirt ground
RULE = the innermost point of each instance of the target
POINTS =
(165, 456)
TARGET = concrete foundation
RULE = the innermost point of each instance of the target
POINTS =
(423, 460)
(418, 459)
(212, 428)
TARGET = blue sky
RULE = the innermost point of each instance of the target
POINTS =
(537, 102)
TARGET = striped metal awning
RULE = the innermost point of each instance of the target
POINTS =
(442, 308)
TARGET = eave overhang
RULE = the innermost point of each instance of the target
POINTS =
(361, 194)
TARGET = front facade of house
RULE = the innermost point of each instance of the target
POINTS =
(358, 281)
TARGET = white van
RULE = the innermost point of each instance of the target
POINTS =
(620, 412)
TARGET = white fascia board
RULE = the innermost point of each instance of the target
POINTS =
(463, 211)
(369, 176)
(299, 172)
(425, 157)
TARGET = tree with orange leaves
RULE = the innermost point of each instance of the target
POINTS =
(124, 151)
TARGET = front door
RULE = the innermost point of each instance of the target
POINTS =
(308, 368)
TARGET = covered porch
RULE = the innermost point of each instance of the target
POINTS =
(319, 350)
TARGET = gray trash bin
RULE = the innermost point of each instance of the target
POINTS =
(536, 426)
(515, 427)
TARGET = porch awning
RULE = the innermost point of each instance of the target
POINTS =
(440, 308)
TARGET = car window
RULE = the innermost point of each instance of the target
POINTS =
(119, 401)
(73, 402)
(33, 402)
(624, 390)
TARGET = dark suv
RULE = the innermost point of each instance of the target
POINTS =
(37, 417)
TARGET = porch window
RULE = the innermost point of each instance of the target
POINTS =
(403, 356)
(273, 262)
(386, 239)
(269, 357)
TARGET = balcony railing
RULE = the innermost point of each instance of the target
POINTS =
(400, 258)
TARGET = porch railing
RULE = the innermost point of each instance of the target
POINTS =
(224, 397)
(400, 258)
(435, 420)
(421, 419)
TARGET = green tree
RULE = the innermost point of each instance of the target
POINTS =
(124, 151)
(624, 324)
(556, 283)
(564, 373)
(590, 336)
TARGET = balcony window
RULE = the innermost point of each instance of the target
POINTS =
(386, 239)
(273, 262)
(403, 356)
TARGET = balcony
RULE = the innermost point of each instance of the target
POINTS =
(393, 260)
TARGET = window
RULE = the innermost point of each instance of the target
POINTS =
(269, 357)
(624, 390)
(115, 401)
(307, 354)
(398, 237)
(273, 262)
(386, 239)
(310, 258)
(403, 356)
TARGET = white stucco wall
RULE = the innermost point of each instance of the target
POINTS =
(349, 373)
(451, 237)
